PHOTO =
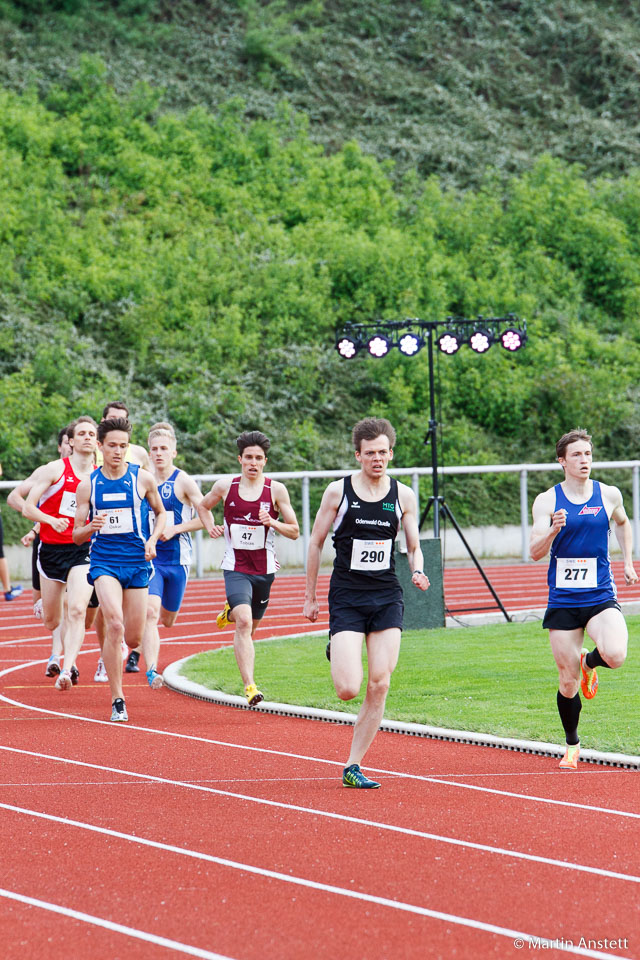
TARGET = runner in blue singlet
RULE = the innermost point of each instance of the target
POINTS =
(572, 521)
(180, 496)
(117, 497)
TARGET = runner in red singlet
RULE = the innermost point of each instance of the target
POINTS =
(63, 565)
(252, 505)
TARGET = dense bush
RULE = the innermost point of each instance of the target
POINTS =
(198, 263)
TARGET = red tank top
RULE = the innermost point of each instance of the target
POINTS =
(249, 544)
(59, 500)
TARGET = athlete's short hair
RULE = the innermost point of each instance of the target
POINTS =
(371, 428)
(116, 405)
(252, 438)
(65, 432)
(116, 423)
(571, 437)
(161, 430)
(71, 429)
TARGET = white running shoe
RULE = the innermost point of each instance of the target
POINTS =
(64, 681)
(37, 609)
(100, 676)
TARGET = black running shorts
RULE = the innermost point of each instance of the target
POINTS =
(574, 618)
(55, 560)
(250, 588)
(364, 611)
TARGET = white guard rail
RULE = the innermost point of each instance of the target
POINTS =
(522, 469)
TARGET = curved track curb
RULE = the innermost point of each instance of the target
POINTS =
(175, 681)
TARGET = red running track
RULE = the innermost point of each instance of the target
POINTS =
(200, 830)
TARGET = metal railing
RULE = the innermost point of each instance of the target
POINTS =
(522, 469)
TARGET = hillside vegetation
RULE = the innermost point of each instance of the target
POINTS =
(196, 260)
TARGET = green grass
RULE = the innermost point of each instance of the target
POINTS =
(498, 679)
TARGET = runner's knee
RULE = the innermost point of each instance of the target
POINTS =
(614, 658)
(378, 686)
(346, 690)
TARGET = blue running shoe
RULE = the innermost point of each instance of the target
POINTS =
(354, 777)
(13, 593)
(154, 678)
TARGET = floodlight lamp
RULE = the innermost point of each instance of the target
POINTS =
(410, 343)
(347, 347)
(379, 345)
(480, 340)
(449, 342)
(512, 339)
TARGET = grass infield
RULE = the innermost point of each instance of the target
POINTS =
(498, 679)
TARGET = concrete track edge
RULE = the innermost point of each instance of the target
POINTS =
(176, 682)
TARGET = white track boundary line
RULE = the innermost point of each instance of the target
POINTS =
(514, 935)
(175, 681)
(298, 756)
(111, 925)
(330, 815)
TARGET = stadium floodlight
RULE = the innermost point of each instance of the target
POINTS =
(449, 342)
(512, 339)
(348, 347)
(379, 345)
(410, 343)
(480, 340)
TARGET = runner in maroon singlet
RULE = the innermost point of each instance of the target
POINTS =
(252, 505)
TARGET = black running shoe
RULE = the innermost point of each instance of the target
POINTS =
(119, 711)
(328, 651)
(75, 676)
(131, 666)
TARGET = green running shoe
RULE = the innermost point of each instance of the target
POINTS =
(354, 777)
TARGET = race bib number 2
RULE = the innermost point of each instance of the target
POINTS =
(576, 573)
(371, 555)
(67, 506)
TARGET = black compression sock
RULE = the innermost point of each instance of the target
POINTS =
(594, 659)
(569, 709)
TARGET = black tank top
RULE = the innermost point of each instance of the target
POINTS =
(363, 536)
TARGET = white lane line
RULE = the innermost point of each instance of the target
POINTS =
(340, 817)
(115, 927)
(285, 878)
(530, 798)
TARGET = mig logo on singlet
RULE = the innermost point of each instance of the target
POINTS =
(590, 511)
(389, 506)
(165, 491)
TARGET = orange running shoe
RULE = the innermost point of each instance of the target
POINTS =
(570, 759)
(589, 678)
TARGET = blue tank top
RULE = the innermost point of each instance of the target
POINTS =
(122, 539)
(580, 567)
(178, 549)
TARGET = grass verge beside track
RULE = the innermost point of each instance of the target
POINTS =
(498, 679)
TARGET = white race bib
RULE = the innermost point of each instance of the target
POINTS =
(576, 573)
(370, 555)
(67, 504)
(119, 520)
(245, 536)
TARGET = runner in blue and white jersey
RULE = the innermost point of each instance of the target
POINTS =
(180, 496)
(117, 498)
(572, 521)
